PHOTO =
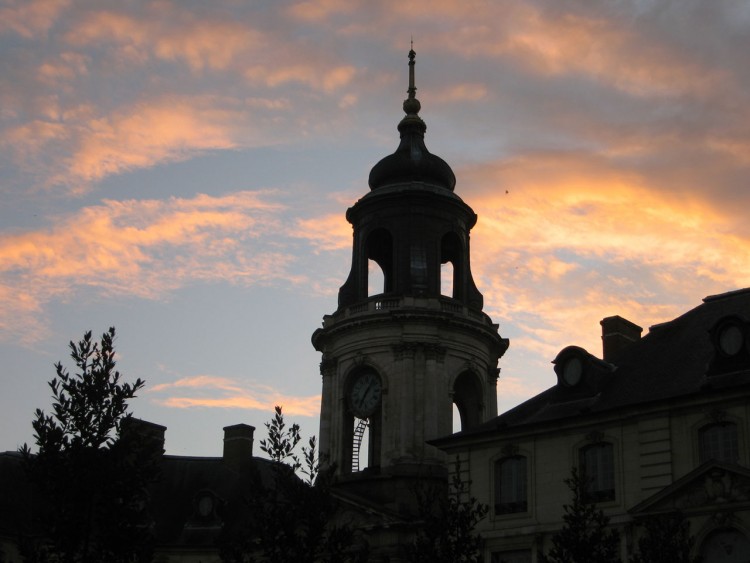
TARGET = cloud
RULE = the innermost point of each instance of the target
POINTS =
(568, 245)
(30, 19)
(82, 147)
(143, 248)
(224, 393)
(327, 233)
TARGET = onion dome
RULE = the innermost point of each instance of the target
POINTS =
(412, 162)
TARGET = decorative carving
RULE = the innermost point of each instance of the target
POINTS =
(471, 365)
(718, 416)
(434, 352)
(431, 350)
(595, 437)
(717, 487)
(493, 374)
(361, 359)
(404, 349)
(509, 450)
(328, 366)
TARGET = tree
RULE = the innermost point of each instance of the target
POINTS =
(666, 539)
(584, 537)
(449, 520)
(292, 519)
(90, 470)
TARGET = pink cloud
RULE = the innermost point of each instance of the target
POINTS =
(145, 248)
(233, 395)
(30, 18)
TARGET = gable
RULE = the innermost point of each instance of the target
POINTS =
(711, 486)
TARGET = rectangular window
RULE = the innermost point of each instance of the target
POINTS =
(719, 442)
(510, 485)
(598, 464)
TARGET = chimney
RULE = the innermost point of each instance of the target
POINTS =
(238, 444)
(617, 334)
(149, 434)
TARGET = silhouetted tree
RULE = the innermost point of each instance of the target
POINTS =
(584, 537)
(449, 521)
(90, 473)
(292, 519)
(666, 539)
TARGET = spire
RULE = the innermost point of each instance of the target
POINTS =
(411, 104)
(412, 162)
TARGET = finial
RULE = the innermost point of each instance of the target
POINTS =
(411, 104)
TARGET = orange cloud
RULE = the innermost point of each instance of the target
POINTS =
(234, 395)
(320, 10)
(80, 147)
(569, 245)
(327, 233)
(144, 248)
(30, 19)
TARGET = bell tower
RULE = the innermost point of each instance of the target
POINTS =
(396, 359)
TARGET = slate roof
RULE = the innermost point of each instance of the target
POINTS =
(671, 361)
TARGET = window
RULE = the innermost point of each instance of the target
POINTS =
(598, 466)
(719, 441)
(510, 485)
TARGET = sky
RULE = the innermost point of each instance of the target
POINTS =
(180, 170)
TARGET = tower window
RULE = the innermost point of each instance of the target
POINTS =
(598, 466)
(379, 251)
(511, 485)
(719, 441)
(467, 396)
(450, 253)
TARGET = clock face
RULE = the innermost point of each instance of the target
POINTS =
(365, 394)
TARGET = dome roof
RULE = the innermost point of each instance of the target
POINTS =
(412, 162)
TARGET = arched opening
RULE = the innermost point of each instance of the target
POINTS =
(450, 265)
(727, 545)
(375, 279)
(456, 419)
(363, 420)
(446, 279)
(467, 396)
(379, 252)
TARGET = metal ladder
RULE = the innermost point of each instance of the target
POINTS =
(359, 432)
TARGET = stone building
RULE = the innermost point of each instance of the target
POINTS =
(396, 358)
(658, 423)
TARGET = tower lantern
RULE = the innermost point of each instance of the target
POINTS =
(396, 359)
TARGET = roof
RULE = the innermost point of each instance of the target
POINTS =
(191, 499)
(673, 360)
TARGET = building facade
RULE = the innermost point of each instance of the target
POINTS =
(658, 424)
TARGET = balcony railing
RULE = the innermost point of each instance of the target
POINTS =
(382, 304)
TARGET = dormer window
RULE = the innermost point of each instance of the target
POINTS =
(572, 371)
(731, 340)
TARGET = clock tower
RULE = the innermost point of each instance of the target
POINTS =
(398, 357)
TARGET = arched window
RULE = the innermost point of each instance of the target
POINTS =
(719, 441)
(467, 396)
(450, 260)
(511, 485)
(379, 250)
(598, 467)
(725, 544)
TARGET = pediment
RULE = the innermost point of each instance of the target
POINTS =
(713, 485)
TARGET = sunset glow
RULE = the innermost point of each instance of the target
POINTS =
(182, 172)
